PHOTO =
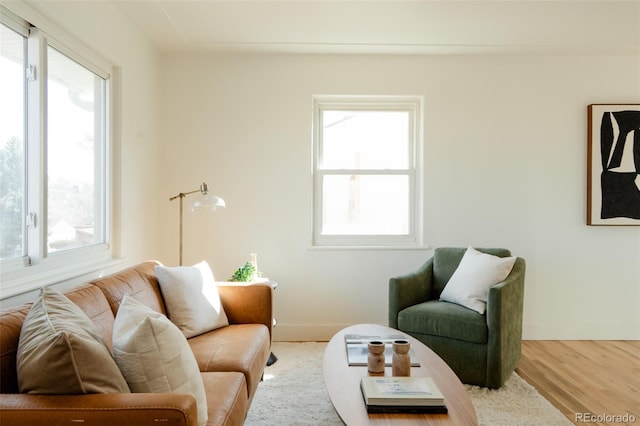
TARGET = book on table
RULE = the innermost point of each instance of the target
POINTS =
(358, 348)
(402, 394)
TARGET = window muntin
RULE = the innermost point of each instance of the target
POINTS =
(366, 171)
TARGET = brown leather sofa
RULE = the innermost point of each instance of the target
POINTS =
(231, 359)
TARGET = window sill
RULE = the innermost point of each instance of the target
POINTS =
(42, 275)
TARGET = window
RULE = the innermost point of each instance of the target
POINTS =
(12, 149)
(75, 154)
(367, 171)
(54, 142)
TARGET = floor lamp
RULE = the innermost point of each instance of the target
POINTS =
(204, 201)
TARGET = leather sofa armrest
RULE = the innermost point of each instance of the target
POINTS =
(134, 409)
(248, 303)
(408, 290)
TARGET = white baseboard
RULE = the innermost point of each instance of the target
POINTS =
(306, 332)
(569, 331)
(582, 331)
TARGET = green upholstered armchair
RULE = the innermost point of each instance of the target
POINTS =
(482, 349)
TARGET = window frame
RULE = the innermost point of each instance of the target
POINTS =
(413, 106)
(39, 268)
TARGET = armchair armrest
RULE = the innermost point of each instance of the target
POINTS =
(504, 320)
(408, 290)
(248, 303)
(131, 409)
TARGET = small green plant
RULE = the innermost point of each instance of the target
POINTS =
(244, 273)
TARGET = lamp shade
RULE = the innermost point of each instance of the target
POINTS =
(207, 201)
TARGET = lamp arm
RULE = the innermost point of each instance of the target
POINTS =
(184, 194)
(204, 189)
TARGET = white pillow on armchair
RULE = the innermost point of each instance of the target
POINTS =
(476, 274)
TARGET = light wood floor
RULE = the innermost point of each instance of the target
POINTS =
(578, 376)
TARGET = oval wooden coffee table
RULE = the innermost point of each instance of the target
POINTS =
(343, 384)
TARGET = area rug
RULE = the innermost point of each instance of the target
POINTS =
(293, 394)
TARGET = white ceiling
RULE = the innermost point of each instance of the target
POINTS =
(390, 26)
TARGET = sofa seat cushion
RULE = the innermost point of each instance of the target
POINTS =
(243, 348)
(444, 319)
(227, 398)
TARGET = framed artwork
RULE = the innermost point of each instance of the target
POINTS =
(613, 164)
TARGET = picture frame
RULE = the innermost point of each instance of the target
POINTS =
(613, 164)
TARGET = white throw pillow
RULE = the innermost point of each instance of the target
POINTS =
(154, 356)
(476, 274)
(192, 299)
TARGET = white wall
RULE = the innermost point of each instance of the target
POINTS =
(103, 29)
(505, 155)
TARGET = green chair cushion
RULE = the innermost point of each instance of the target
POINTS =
(444, 319)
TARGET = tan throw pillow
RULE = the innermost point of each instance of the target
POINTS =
(192, 299)
(154, 355)
(61, 352)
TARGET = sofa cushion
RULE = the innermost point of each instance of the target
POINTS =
(244, 348)
(475, 275)
(191, 297)
(154, 356)
(61, 352)
(139, 282)
(444, 319)
(11, 320)
(91, 300)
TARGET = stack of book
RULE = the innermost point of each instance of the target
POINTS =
(402, 394)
